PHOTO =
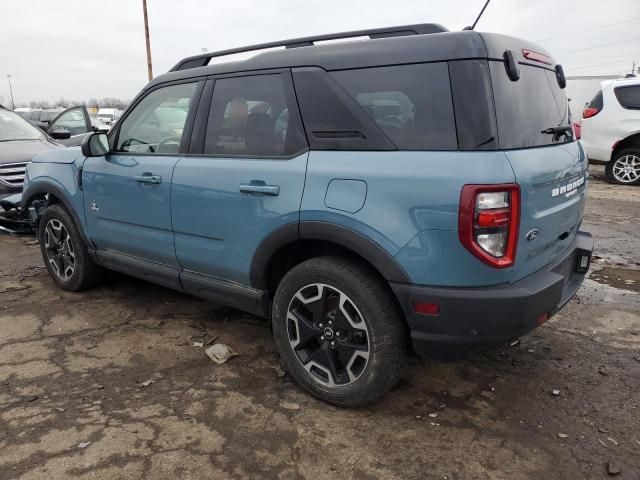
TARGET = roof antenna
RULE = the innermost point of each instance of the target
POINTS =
(478, 18)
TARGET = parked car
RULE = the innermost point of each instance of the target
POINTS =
(40, 118)
(75, 120)
(20, 141)
(357, 236)
(611, 130)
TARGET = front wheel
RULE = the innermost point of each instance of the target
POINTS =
(64, 252)
(339, 331)
(624, 168)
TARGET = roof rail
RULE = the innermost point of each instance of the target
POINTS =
(400, 31)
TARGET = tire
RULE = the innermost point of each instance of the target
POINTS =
(624, 167)
(372, 322)
(64, 252)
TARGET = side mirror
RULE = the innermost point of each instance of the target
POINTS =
(61, 134)
(95, 145)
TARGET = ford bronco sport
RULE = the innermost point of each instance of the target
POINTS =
(413, 189)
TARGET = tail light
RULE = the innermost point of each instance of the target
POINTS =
(488, 222)
(590, 112)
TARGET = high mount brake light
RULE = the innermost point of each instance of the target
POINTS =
(536, 57)
(590, 112)
(489, 221)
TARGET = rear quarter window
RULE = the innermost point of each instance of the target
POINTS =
(628, 97)
(596, 101)
(411, 104)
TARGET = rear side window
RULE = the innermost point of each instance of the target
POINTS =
(629, 97)
(411, 104)
(251, 116)
(528, 106)
(596, 102)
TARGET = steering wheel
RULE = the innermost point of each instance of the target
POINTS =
(163, 142)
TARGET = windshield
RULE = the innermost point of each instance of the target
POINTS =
(14, 127)
(108, 116)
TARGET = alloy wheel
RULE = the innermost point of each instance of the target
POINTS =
(626, 169)
(59, 249)
(328, 335)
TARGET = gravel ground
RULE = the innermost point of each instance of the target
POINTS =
(107, 384)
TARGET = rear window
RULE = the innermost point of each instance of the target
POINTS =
(629, 97)
(411, 104)
(528, 106)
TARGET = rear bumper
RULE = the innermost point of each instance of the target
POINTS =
(497, 314)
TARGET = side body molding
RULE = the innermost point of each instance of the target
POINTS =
(340, 235)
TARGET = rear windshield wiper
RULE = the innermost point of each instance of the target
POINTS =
(563, 129)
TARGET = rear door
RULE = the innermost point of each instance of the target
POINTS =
(244, 179)
(550, 168)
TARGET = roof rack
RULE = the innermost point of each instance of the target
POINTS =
(400, 31)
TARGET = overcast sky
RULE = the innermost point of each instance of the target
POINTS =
(80, 49)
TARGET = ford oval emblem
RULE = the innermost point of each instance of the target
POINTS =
(532, 234)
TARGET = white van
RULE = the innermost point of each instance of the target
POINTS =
(107, 117)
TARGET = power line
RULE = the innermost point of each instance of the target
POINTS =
(594, 65)
(614, 57)
(600, 46)
(588, 30)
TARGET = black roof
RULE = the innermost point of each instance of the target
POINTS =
(395, 45)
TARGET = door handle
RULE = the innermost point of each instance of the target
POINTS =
(147, 178)
(262, 188)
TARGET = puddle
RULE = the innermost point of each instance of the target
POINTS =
(618, 277)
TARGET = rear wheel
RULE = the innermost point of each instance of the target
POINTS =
(624, 168)
(64, 252)
(339, 331)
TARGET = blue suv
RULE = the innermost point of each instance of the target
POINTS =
(415, 189)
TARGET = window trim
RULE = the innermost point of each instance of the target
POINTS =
(623, 87)
(199, 134)
(114, 134)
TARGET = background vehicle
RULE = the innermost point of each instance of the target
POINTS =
(611, 130)
(20, 141)
(74, 120)
(421, 186)
(41, 118)
(106, 117)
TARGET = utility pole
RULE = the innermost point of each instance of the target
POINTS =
(146, 36)
(13, 104)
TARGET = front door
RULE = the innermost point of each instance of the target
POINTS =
(127, 193)
(247, 179)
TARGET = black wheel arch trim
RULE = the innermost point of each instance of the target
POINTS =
(47, 188)
(340, 235)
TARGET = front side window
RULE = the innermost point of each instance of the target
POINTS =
(250, 116)
(73, 121)
(156, 123)
(629, 97)
(410, 103)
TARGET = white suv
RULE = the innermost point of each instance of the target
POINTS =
(611, 129)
